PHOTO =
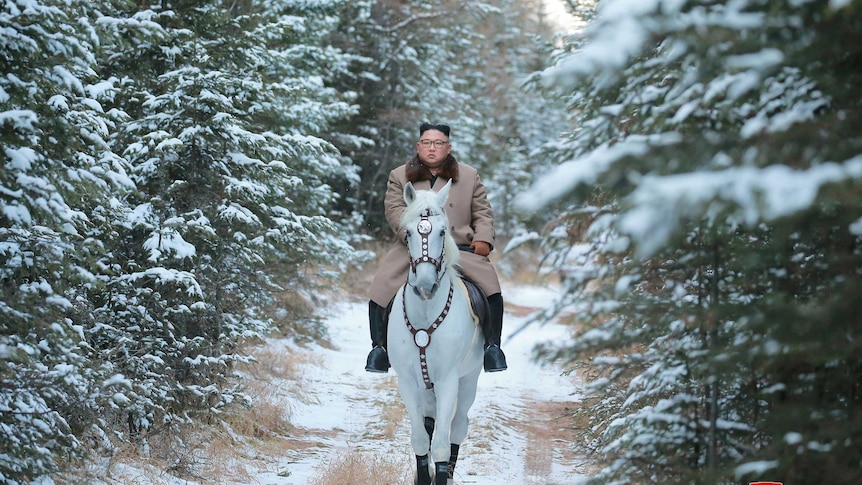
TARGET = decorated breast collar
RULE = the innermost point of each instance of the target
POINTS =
(422, 337)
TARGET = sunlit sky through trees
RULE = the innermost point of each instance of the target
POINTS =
(558, 15)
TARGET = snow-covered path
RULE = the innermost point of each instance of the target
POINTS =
(514, 435)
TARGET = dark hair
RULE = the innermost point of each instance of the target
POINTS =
(429, 126)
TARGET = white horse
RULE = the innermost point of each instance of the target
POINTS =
(435, 342)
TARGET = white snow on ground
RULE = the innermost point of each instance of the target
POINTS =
(346, 395)
(341, 406)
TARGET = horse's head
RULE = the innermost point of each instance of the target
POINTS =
(432, 249)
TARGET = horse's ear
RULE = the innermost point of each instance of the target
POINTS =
(409, 193)
(444, 193)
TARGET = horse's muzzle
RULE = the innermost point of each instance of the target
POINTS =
(424, 294)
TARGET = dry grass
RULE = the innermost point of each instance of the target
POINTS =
(200, 453)
(267, 419)
(392, 412)
(353, 467)
(220, 449)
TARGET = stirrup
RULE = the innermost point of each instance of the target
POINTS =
(495, 359)
(378, 360)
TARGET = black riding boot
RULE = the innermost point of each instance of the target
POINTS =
(378, 360)
(495, 360)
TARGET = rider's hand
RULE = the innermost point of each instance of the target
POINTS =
(481, 248)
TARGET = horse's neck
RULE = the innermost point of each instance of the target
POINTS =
(422, 313)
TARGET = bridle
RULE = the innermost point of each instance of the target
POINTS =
(421, 336)
(424, 227)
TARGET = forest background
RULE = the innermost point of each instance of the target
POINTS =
(173, 168)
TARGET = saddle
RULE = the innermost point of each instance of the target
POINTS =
(478, 302)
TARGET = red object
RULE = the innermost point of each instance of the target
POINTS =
(765, 483)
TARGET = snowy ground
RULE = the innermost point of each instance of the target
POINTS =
(515, 437)
(502, 433)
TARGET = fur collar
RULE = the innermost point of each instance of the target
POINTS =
(417, 172)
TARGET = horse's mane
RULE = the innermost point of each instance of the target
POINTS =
(426, 199)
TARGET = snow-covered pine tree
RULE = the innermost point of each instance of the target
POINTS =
(455, 62)
(58, 197)
(405, 75)
(516, 117)
(223, 105)
(717, 163)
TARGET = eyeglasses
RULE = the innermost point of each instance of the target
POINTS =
(436, 143)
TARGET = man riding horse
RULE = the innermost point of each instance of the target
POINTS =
(472, 226)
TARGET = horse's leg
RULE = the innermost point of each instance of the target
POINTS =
(466, 396)
(446, 392)
(429, 403)
(453, 460)
(419, 439)
(429, 427)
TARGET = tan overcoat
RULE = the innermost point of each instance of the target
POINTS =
(470, 217)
